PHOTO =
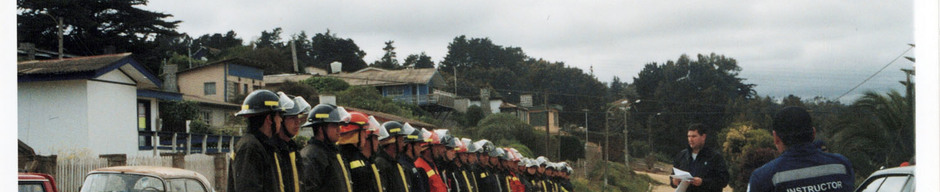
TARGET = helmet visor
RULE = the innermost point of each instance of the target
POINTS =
(342, 114)
(286, 103)
(407, 129)
(301, 105)
(376, 128)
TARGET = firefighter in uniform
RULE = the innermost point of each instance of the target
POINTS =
(323, 167)
(802, 167)
(462, 169)
(354, 148)
(508, 163)
(524, 177)
(543, 181)
(472, 164)
(426, 161)
(286, 149)
(497, 169)
(486, 181)
(419, 182)
(393, 173)
(253, 165)
(531, 173)
(449, 164)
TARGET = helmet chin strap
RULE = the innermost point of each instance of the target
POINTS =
(322, 131)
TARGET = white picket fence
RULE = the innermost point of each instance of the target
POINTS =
(70, 172)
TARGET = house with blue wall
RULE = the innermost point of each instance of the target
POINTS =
(417, 86)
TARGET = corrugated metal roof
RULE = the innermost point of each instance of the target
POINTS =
(281, 78)
(393, 118)
(236, 60)
(68, 65)
(392, 77)
(86, 68)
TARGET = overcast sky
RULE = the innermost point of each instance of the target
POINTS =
(805, 48)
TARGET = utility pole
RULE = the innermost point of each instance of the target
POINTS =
(455, 81)
(587, 132)
(649, 132)
(548, 115)
(59, 27)
(59, 31)
(626, 145)
(606, 145)
(293, 53)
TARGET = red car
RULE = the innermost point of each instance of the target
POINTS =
(36, 182)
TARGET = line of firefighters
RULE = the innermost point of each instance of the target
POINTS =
(352, 151)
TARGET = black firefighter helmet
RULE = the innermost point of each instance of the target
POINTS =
(258, 102)
(327, 113)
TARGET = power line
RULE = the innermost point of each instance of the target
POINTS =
(876, 73)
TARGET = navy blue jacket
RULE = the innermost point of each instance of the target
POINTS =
(804, 168)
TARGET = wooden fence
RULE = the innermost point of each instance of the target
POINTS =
(71, 172)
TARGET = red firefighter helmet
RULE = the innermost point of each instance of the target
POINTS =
(357, 122)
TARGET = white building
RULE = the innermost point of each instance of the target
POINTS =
(94, 104)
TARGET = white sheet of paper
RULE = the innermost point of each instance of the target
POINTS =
(681, 175)
(682, 186)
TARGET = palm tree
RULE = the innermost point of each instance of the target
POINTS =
(877, 131)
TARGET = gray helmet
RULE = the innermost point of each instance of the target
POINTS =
(485, 146)
(531, 163)
(260, 101)
(497, 152)
(472, 147)
(327, 113)
(507, 155)
(449, 141)
(294, 106)
(467, 144)
(541, 161)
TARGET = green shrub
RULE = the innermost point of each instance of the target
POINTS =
(326, 84)
(198, 127)
(175, 114)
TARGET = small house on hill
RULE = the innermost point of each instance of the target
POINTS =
(417, 86)
(94, 103)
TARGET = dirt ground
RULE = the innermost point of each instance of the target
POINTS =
(664, 178)
(661, 174)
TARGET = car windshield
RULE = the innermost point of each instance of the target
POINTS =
(31, 187)
(108, 182)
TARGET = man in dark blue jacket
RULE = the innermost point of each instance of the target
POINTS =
(802, 167)
(707, 166)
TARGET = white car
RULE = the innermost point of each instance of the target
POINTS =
(894, 179)
(145, 179)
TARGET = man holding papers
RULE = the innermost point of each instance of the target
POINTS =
(699, 168)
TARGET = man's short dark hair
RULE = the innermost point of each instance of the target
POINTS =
(793, 125)
(698, 127)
